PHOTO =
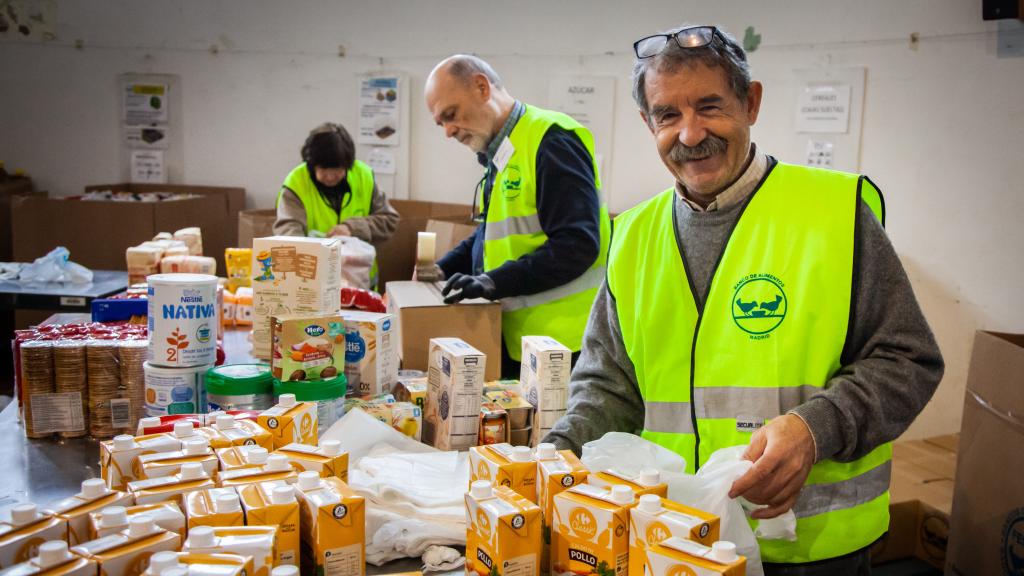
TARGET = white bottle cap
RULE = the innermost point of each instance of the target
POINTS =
(201, 537)
(176, 571)
(622, 494)
(53, 553)
(286, 570)
(286, 400)
(481, 489)
(227, 503)
(163, 561)
(282, 495)
(113, 516)
(93, 488)
(546, 451)
(277, 463)
(330, 447)
(148, 422)
(522, 454)
(650, 503)
(123, 442)
(184, 429)
(225, 421)
(649, 477)
(211, 418)
(192, 471)
(141, 525)
(723, 552)
(256, 455)
(309, 480)
(24, 514)
(195, 447)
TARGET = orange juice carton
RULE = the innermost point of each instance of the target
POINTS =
(255, 541)
(503, 532)
(235, 457)
(307, 347)
(189, 564)
(169, 463)
(127, 553)
(590, 530)
(290, 421)
(676, 556)
(371, 352)
(455, 384)
(117, 456)
(654, 520)
(153, 490)
(647, 482)
(544, 380)
(505, 465)
(327, 459)
(557, 471)
(274, 504)
(23, 528)
(112, 519)
(214, 507)
(333, 526)
(276, 468)
(75, 509)
(54, 559)
(227, 431)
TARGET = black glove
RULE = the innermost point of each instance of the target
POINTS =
(463, 286)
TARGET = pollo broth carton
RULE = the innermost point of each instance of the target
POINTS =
(590, 530)
(503, 532)
(654, 520)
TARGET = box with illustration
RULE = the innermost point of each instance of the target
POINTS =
(307, 347)
(371, 359)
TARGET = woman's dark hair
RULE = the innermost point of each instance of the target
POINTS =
(329, 146)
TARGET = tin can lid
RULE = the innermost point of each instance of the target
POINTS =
(312, 390)
(237, 379)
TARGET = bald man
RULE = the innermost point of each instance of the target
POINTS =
(543, 237)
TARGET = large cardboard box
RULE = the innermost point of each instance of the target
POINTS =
(450, 233)
(9, 191)
(988, 502)
(255, 224)
(422, 314)
(396, 258)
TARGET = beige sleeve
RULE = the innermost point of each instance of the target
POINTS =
(379, 225)
(291, 215)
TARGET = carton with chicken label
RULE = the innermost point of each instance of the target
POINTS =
(590, 531)
(503, 532)
(309, 347)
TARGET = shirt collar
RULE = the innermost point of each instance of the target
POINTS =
(737, 191)
(492, 148)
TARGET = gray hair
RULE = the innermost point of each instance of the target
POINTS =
(464, 66)
(723, 52)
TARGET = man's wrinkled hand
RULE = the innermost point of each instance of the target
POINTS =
(782, 453)
(463, 287)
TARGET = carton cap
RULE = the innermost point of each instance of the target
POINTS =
(24, 514)
(481, 489)
(309, 480)
(211, 418)
(149, 422)
(331, 447)
(195, 447)
(163, 561)
(225, 421)
(227, 503)
(286, 570)
(113, 516)
(282, 495)
(522, 454)
(546, 451)
(278, 462)
(141, 525)
(184, 429)
(123, 442)
(287, 400)
(724, 552)
(201, 537)
(649, 477)
(93, 488)
(53, 552)
(257, 455)
(192, 471)
(650, 503)
(622, 494)
(175, 571)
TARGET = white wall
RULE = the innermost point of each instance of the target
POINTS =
(941, 134)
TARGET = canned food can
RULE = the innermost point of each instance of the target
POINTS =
(183, 316)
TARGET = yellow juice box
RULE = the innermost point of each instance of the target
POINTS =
(214, 507)
(54, 559)
(23, 528)
(227, 431)
(327, 459)
(678, 556)
(117, 456)
(75, 509)
(153, 490)
(165, 564)
(647, 482)
(290, 421)
(274, 504)
(503, 532)
(590, 530)
(654, 520)
(113, 519)
(235, 457)
(333, 527)
(127, 553)
(556, 471)
(256, 541)
(505, 465)
(169, 463)
(276, 468)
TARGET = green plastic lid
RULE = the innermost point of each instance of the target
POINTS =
(238, 379)
(312, 390)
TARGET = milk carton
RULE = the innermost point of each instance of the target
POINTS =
(544, 380)
(152, 490)
(127, 553)
(290, 421)
(505, 465)
(590, 530)
(75, 509)
(333, 527)
(227, 431)
(112, 519)
(654, 520)
(170, 463)
(557, 471)
(117, 456)
(255, 541)
(455, 384)
(235, 457)
(677, 556)
(214, 507)
(503, 532)
(192, 564)
(23, 528)
(274, 504)
(54, 559)
(371, 353)
(276, 468)
(647, 482)
(307, 347)
(292, 275)
(327, 459)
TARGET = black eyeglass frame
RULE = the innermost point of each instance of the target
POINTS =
(675, 36)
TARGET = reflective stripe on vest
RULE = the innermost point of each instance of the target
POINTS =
(320, 216)
(513, 229)
(768, 338)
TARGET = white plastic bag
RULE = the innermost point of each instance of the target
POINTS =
(357, 262)
(55, 267)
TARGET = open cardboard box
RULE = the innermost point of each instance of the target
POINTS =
(396, 258)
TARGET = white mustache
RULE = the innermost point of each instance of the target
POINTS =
(710, 146)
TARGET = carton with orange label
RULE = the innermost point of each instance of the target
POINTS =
(192, 564)
(505, 465)
(75, 510)
(227, 431)
(333, 526)
(680, 557)
(290, 421)
(214, 507)
(557, 471)
(113, 519)
(276, 468)
(503, 532)
(170, 463)
(255, 541)
(590, 530)
(152, 490)
(54, 559)
(242, 457)
(128, 552)
(117, 456)
(654, 520)
(328, 459)
(23, 529)
(274, 504)
(647, 482)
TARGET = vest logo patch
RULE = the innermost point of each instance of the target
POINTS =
(512, 183)
(759, 305)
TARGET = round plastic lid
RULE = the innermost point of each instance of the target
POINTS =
(650, 503)
(277, 462)
(175, 571)
(724, 551)
(162, 561)
(149, 421)
(283, 495)
(649, 477)
(287, 400)
(195, 447)
(622, 494)
(330, 447)
(225, 421)
(521, 454)
(184, 429)
(309, 480)
(53, 552)
(481, 489)
(201, 537)
(546, 451)
(24, 513)
(286, 570)
(93, 488)
(181, 278)
(227, 503)
(192, 471)
(313, 390)
(238, 379)
(113, 516)
(141, 525)
(123, 442)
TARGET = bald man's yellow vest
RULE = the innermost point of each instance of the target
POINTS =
(769, 337)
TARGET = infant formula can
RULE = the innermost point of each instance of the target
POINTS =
(183, 316)
(239, 387)
(175, 390)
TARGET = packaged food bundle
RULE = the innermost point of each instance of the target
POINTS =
(188, 265)
(193, 238)
(239, 267)
(142, 261)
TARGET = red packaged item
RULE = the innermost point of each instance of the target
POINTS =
(159, 424)
(211, 418)
(361, 299)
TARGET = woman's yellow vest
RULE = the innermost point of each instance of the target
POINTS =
(319, 214)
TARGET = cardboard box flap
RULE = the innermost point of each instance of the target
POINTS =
(996, 377)
(424, 295)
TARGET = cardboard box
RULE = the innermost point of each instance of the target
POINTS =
(10, 192)
(422, 315)
(450, 233)
(988, 504)
(396, 257)
(544, 381)
(307, 347)
(255, 224)
(371, 359)
(455, 382)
